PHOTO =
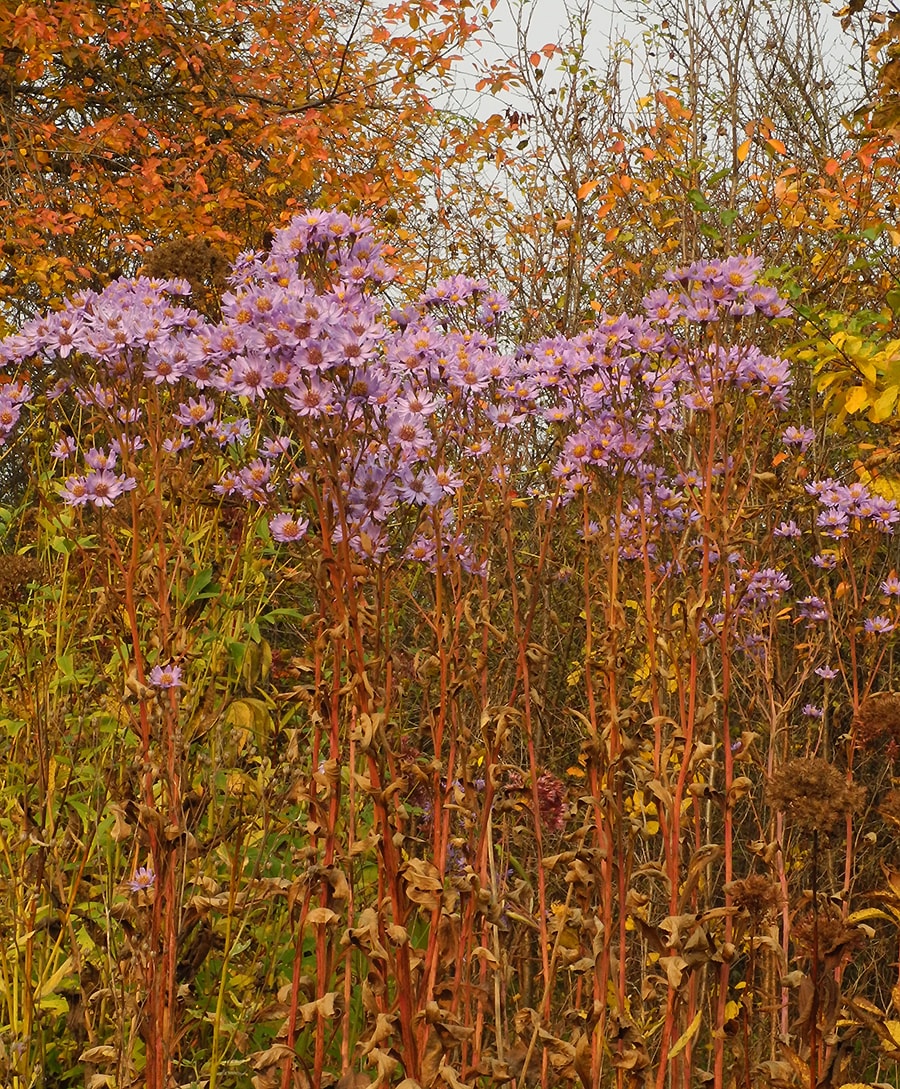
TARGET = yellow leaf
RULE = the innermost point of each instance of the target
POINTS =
(685, 1038)
(855, 399)
(884, 404)
(743, 151)
(585, 190)
(50, 985)
(867, 913)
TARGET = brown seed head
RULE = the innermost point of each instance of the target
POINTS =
(827, 933)
(813, 794)
(878, 720)
(16, 572)
(757, 895)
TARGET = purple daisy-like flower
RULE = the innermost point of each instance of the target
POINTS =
(812, 608)
(879, 625)
(891, 585)
(288, 528)
(63, 449)
(74, 492)
(144, 879)
(165, 676)
(104, 487)
(787, 529)
(826, 673)
(196, 412)
(811, 711)
(800, 437)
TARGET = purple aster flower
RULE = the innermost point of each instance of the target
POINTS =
(288, 528)
(144, 879)
(826, 673)
(227, 485)
(827, 561)
(798, 436)
(165, 676)
(9, 414)
(100, 459)
(787, 529)
(313, 400)
(879, 625)
(884, 514)
(446, 479)
(812, 608)
(409, 432)
(195, 412)
(274, 448)
(811, 711)
(766, 587)
(422, 550)
(659, 305)
(177, 444)
(419, 490)
(104, 487)
(740, 272)
(74, 492)
(834, 522)
(230, 432)
(63, 449)
(162, 369)
(891, 585)
(249, 377)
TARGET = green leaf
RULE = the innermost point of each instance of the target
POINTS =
(65, 663)
(719, 175)
(698, 201)
(200, 585)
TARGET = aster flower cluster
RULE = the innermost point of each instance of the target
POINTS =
(709, 291)
(327, 410)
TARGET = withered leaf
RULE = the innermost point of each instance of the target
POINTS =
(365, 935)
(674, 967)
(102, 1054)
(353, 1080)
(272, 1056)
(423, 883)
(321, 1007)
(322, 916)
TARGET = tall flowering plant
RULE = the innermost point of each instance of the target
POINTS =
(444, 673)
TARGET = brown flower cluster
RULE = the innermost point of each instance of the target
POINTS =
(827, 933)
(16, 572)
(194, 260)
(890, 807)
(757, 895)
(878, 720)
(813, 794)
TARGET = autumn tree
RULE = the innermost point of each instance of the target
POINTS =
(126, 124)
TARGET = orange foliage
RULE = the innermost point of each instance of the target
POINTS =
(128, 121)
